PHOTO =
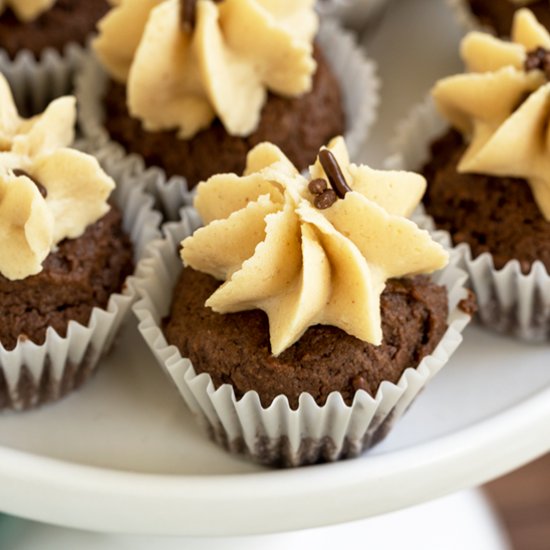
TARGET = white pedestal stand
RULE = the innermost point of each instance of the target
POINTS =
(457, 522)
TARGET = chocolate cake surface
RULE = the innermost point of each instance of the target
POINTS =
(492, 214)
(498, 14)
(67, 21)
(81, 274)
(299, 126)
(234, 348)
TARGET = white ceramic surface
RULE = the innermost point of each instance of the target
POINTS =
(466, 515)
(124, 455)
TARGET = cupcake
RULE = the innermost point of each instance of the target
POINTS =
(66, 255)
(45, 38)
(303, 323)
(498, 15)
(488, 182)
(192, 85)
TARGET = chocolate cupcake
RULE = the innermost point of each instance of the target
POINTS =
(311, 330)
(41, 43)
(498, 15)
(191, 89)
(47, 24)
(488, 184)
(66, 255)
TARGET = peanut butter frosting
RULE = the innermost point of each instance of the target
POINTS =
(502, 105)
(304, 253)
(182, 76)
(26, 10)
(48, 192)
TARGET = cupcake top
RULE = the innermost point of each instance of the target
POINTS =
(501, 105)
(48, 192)
(186, 62)
(309, 251)
(26, 10)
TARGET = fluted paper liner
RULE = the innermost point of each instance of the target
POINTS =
(509, 301)
(278, 435)
(35, 82)
(354, 71)
(355, 14)
(32, 374)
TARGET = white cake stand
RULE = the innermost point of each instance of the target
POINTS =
(124, 456)
(427, 526)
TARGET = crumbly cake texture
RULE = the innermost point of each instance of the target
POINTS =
(80, 275)
(234, 348)
(67, 21)
(299, 126)
(498, 14)
(492, 214)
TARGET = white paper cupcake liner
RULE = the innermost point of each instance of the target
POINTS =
(354, 71)
(35, 82)
(354, 14)
(278, 435)
(32, 374)
(508, 300)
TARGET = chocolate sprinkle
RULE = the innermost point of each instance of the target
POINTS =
(324, 197)
(41, 189)
(538, 59)
(317, 186)
(334, 173)
(325, 200)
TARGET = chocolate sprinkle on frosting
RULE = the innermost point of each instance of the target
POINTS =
(324, 197)
(334, 173)
(317, 186)
(325, 200)
(41, 189)
(538, 59)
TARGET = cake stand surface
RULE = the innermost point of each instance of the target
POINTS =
(124, 454)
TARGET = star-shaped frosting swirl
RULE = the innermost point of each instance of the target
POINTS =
(237, 52)
(35, 159)
(304, 266)
(502, 107)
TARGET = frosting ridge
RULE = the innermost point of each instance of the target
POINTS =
(238, 51)
(504, 95)
(305, 266)
(48, 192)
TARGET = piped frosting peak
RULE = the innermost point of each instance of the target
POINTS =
(48, 192)
(502, 105)
(306, 264)
(224, 66)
